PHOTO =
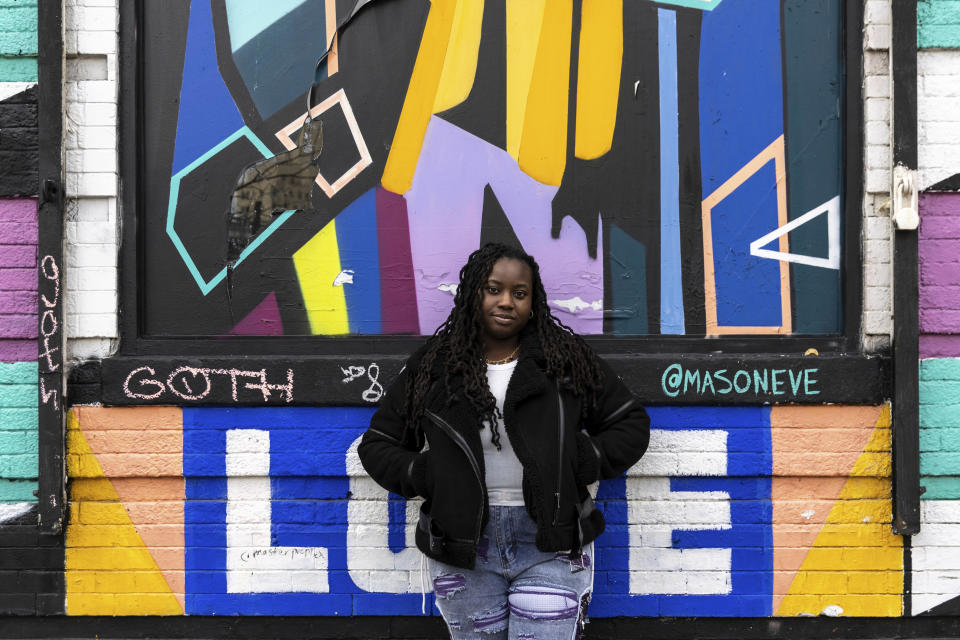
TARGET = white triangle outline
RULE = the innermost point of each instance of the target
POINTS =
(832, 261)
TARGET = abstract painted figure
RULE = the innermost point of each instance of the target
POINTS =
(500, 422)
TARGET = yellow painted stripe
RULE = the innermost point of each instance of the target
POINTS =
(524, 19)
(460, 63)
(598, 76)
(866, 577)
(420, 98)
(318, 265)
(111, 572)
(543, 145)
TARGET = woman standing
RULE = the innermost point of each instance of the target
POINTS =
(500, 422)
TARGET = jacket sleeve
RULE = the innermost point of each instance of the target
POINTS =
(393, 460)
(617, 432)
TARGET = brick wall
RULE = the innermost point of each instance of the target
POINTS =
(90, 142)
(734, 511)
(935, 551)
(877, 293)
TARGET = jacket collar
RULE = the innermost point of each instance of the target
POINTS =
(529, 378)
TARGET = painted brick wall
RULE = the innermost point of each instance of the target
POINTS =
(734, 511)
(938, 24)
(935, 551)
(90, 143)
(18, 40)
(877, 293)
(18, 258)
(936, 568)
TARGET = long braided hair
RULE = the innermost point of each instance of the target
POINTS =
(458, 345)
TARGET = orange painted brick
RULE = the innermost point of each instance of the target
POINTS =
(814, 416)
(161, 535)
(828, 439)
(141, 465)
(155, 512)
(129, 441)
(143, 417)
(143, 489)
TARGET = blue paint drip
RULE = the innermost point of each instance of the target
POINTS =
(671, 279)
(208, 114)
(359, 253)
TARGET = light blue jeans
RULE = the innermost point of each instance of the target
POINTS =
(516, 591)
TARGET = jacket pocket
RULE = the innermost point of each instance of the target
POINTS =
(420, 474)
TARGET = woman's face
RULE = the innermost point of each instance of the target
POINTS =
(506, 299)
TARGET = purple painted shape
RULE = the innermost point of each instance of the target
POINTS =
(18, 232)
(263, 320)
(18, 350)
(938, 204)
(939, 346)
(18, 210)
(939, 252)
(19, 302)
(18, 255)
(18, 279)
(398, 294)
(18, 326)
(939, 320)
(446, 208)
(944, 227)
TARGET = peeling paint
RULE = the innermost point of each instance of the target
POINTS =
(577, 304)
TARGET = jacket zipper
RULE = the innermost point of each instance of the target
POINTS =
(460, 442)
(556, 509)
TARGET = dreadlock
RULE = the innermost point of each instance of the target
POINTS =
(458, 344)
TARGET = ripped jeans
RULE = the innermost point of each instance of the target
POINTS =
(516, 591)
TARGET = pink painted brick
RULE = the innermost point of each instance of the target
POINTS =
(939, 346)
(19, 232)
(939, 204)
(940, 227)
(947, 297)
(18, 210)
(17, 350)
(18, 326)
(18, 279)
(940, 320)
(18, 302)
(18, 255)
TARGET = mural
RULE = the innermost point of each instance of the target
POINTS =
(934, 554)
(18, 265)
(734, 511)
(675, 167)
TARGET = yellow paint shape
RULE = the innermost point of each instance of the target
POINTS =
(109, 570)
(598, 76)
(460, 63)
(524, 19)
(543, 145)
(145, 467)
(774, 152)
(420, 98)
(856, 562)
(802, 491)
(318, 265)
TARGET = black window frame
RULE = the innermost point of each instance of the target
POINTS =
(653, 349)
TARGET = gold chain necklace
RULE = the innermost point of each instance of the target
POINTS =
(509, 358)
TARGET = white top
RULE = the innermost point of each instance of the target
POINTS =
(504, 471)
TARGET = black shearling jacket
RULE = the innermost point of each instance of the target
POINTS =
(560, 456)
